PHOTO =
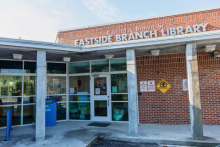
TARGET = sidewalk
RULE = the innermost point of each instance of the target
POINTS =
(77, 133)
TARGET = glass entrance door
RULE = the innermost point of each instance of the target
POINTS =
(100, 98)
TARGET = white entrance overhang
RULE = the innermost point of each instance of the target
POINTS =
(143, 47)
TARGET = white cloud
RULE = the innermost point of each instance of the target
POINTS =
(103, 9)
(32, 22)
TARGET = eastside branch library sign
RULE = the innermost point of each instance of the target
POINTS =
(140, 33)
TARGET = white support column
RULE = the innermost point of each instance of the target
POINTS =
(132, 92)
(40, 95)
(194, 92)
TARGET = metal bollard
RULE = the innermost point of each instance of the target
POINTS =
(9, 124)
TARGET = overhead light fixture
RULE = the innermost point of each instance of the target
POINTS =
(109, 56)
(216, 55)
(66, 59)
(17, 56)
(155, 52)
(209, 48)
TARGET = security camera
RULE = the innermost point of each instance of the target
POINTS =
(216, 55)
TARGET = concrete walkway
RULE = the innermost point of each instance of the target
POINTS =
(77, 133)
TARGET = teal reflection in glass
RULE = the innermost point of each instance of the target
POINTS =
(119, 111)
(118, 65)
(29, 114)
(79, 97)
(61, 111)
(100, 66)
(79, 111)
(81, 67)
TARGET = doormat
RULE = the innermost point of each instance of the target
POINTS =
(99, 124)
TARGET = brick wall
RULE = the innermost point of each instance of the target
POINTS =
(173, 106)
(211, 16)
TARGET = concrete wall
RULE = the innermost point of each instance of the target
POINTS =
(173, 106)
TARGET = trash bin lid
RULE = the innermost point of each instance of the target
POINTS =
(51, 100)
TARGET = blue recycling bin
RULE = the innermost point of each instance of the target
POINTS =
(51, 112)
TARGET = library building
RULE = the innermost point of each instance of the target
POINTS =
(159, 70)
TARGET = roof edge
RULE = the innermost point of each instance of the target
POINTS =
(130, 20)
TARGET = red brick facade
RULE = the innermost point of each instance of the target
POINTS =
(173, 106)
(212, 17)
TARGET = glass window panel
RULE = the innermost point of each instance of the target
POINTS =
(30, 99)
(29, 112)
(119, 83)
(79, 111)
(56, 85)
(119, 97)
(61, 111)
(79, 97)
(120, 111)
(58, 97)
(56, 68)
(100, 108)
(10, 85)
(11, 100)
(118, 65)
(100, 66)
(100, 86)
(29, 67)
(16, 115)
(29, 85)
(10, 66)
(79, 85)
(81, 67)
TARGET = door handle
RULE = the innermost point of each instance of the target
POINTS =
(108, 102)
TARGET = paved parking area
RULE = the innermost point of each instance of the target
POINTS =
(78, 133)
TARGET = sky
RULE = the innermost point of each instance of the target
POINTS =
(40, 20)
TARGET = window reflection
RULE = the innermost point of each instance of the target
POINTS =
(119, 83)
(30, 99)
(10, 85)
(56, 85)
(100, 66)
(58, 97)
(29, 112)
(29, 85)
(61, 111)
(16, 115)
(81, 67)
(79, 85)
(56, 68)
(118, 65)
(10, 100)
(29, 67)
(79, 111)
(120, 111)
(10, 66)
(100, 86)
